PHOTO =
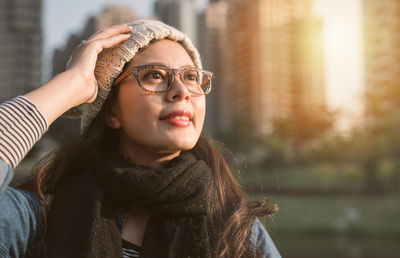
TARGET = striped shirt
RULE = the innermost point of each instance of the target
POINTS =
(21, 126)
(130, 250)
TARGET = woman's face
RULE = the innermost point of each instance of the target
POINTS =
(146, 121)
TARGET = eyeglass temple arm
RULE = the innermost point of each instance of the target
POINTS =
(121, 78)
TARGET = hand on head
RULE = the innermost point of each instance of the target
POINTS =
(77, 85)
(84, 57)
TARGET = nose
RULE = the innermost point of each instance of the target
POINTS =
(178, 91)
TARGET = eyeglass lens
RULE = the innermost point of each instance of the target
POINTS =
(159, 79)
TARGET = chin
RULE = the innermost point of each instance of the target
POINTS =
(183, 145)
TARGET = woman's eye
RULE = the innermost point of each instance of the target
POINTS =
(191, 77)
(154, 75)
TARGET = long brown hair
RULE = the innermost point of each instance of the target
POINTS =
(234, 221)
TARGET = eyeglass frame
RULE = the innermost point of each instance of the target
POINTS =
(134, 71)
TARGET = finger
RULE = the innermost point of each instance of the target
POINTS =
(110, 42)
(111, 31)
(87, 52)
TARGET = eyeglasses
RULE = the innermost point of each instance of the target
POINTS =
(158, 79)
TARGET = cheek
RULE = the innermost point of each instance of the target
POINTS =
(137, 112)
(200, 108)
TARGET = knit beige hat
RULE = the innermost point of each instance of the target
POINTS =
(111, 61)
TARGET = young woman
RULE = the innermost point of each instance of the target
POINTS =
(140, 181)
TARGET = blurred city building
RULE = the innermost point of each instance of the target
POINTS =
(213, 42)
(111, 15)
(307, 85)
(382, 49)
(181, 14)
(277, 59)
(20, 47)
(270, 59)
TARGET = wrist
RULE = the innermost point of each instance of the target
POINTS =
(79, 88)
(65, 91)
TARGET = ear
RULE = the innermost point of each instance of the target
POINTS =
(112, 117)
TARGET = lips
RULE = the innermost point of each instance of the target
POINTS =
(178, 115)
(179, 118)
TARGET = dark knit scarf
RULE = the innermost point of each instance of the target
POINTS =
(83, 220)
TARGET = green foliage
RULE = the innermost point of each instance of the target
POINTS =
(322, 176)
(337, 214)
(304, 125)
(335, 226)
(254, 149)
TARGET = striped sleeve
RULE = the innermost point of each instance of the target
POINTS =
(21, 126)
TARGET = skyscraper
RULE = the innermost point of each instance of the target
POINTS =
(308, 90)
(20, 47)
(275, 54)
(382, 47)
(181, 14)
(213, 42)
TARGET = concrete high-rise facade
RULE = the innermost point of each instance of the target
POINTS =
(308, 87)
(213, 41)
(382, 46)
(276, 61)
(181, 14)
(20, 47)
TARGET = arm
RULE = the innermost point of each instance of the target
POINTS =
(21, 125)
(261, 238)
(19, 216)
(24, 119)
(77, 84)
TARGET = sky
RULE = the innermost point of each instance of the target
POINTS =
(344, 62)
(343, 49)
(63, 17)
